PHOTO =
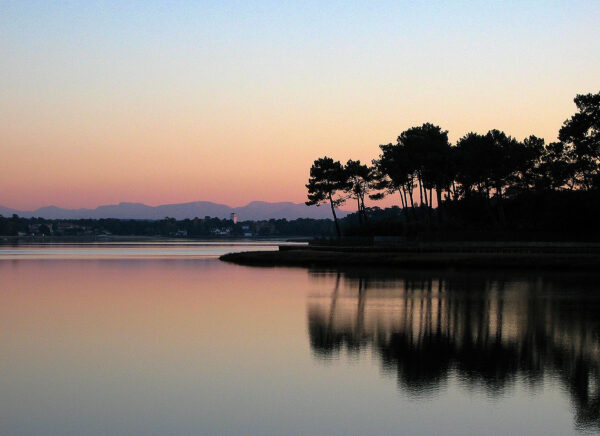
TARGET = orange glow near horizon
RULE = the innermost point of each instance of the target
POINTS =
(190, 160)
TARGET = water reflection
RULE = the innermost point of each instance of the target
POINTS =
(489, 332)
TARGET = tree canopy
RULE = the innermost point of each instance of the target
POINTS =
(490, 167)
(327, 177)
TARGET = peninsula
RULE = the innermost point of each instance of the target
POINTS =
(482, 255)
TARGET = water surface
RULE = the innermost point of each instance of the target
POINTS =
(176, 343)
(124, 250)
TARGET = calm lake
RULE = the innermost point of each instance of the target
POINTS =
(164, 339)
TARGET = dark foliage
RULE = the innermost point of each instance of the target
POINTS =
(486, 186)
(206, 227)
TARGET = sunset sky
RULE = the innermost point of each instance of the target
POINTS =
(166, 102)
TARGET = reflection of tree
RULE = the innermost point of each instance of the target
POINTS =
(486, 332)
(325, 339)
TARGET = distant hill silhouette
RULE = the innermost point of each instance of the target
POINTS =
(256, 210)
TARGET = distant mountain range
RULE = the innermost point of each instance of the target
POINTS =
(256, 210)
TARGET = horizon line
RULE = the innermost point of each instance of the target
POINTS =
(156, 205)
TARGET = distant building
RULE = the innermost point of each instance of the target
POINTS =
(234, 217)
(221, 232)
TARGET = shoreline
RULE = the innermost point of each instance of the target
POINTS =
(528, 259)
(87, 239)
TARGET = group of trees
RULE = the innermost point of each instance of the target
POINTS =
(193, 228)
(328, 178)
(425, 170)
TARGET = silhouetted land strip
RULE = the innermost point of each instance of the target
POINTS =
(468, 256)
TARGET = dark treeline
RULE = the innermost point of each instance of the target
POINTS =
(488, 182)
(192, 228)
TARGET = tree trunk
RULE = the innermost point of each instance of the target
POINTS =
(501, 215)
(405, 201)
(335, 220)
(488, 208)
(364, 209)
(438, 192)
(401, 199)
(412, 205)
(429, 206)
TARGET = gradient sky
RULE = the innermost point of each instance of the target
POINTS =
(164, 102)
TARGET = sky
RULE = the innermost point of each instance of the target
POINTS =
(167, 102)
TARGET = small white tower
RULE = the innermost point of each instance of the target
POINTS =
(234, 217)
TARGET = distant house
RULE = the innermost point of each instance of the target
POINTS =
(67, 228)
(221, 232)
